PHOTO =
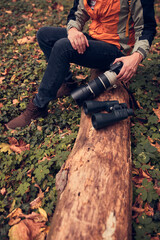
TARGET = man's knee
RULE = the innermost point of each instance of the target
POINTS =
(41, 34)
(62, 46)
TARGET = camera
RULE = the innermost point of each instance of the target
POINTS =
(116, 112)
(97, 86)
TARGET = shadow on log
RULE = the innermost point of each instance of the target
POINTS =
(94, 184)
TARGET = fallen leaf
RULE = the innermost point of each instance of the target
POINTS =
(36, 203)
(138, 210)
(149, 211)
(43, 213)
(157, 187)
(15, 213)
(1, 79)
(15, 101)
(4, 147)
(9, 12)
(139, 105)
(39, 128)
(1, 105)
(57, 6)
(27, 230)
(2, 29)
(15, 216)
(18, 147)
(3, 191)
(81, 76)
(5, 72)
(31, 227)
(156, 145)
(157, 111)
(28, 39)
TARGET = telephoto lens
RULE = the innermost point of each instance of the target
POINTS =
(98, 85)
(90, 107)
(120, 112)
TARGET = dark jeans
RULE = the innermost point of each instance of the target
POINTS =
(59, 54)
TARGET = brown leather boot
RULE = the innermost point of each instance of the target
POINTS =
(31, 112)
(66, 89)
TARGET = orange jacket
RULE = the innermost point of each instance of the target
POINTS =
(128, 24)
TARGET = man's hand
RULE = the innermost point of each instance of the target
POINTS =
(78, 40)
(130, 65)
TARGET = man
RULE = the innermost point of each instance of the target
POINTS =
(120, 30)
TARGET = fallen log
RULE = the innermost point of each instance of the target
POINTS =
(94, 184)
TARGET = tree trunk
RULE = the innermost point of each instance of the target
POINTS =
(95, 182)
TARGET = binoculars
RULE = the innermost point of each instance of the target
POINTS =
(97, 86)
(116, 112)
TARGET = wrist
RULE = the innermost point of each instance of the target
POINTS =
(138, 56)
(72, 29)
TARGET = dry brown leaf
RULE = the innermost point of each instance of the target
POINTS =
(39, 128)
(139, 105)
(44, 158)
(145, 174)
(5, 72)
(1, 105)
(156, 145)
(3, 191)
(59, 7)
(27, 229)
(149, 211)
(36, 203)
(9, 12)
(18, 147)
(81, 76)
(15, 213)
(1, 79)
(2, 29)
(138, 210)
(157, 111)
(157, 187)
(31, 228)
(28, 39)
(15, 216)
(15, 101)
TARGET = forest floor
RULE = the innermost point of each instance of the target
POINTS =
(31, 157)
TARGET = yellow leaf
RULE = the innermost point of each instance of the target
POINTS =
(43, 213)
(4, 147)
(12, 205)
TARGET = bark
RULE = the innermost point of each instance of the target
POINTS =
(95, 182)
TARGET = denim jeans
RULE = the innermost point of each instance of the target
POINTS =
(59, 54)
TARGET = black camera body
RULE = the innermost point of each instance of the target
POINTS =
(116, 112)
(97, 86)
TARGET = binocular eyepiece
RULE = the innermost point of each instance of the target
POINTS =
(98, 85)
(116, 112)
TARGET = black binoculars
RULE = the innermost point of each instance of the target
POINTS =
(97, 86)
(116, 112)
